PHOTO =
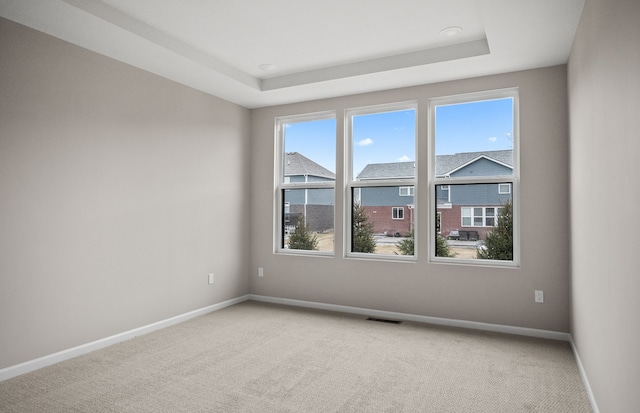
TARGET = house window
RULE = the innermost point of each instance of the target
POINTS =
(397, 213)
(474, 173)
(287, 212)
(406, 191)
(381, 172)
(305, 168)
(479, 216)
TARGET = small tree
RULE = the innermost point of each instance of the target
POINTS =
(302, 238)
(498, 244)
(362, 239)
(442, 247)
(406, 246)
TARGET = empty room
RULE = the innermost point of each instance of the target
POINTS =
(337, 206)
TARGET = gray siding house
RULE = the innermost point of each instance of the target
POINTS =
(389, 208)
(467, 210)
(316, 205)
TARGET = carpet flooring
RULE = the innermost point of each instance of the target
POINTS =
(257, 357)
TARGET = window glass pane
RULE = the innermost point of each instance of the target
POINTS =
(504, 188)
(398, 213)
(310, 151)
(308, 217)
(406, 191)
(382, 221)
(474, 139)
(384, 145)
(478, 220)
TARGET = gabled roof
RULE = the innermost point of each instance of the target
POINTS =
(388, 170)
(297, 164)
(445, 165)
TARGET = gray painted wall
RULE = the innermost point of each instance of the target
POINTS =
(604, 92)
(116, 200)
(110, 181)
(493, 295)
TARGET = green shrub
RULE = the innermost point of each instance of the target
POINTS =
(302, 238)
(498, 244)
(362, 239)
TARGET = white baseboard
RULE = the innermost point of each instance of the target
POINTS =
(474, 325)
(31, 365)
(41, 362)
(585, 380)
(530, 332)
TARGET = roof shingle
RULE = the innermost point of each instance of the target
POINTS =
(297, 164)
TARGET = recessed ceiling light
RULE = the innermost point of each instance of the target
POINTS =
(451, 31)
(267, 67)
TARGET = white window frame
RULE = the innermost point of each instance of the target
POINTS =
(513, 179)
(282, 183)
(507, 192)
(484, 216)
(352, 185)
(397, 211)
(408, 190)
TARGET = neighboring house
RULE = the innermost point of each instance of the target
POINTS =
(389, 208)
(462, 209)
(316, 205)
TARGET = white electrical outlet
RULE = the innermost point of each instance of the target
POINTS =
(260, 272)
(211, 278)
(539, 296)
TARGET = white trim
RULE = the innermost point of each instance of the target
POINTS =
(31, 365)
(351, 184)
(513, 179)
(583, 375)
(397, 210)
(464, 165)
(280, 185)
(450, 322)
(410, 189)
(58, 357)
(508, 190)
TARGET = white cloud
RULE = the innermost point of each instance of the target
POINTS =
(365, 142)
(493, 139)
(404, 158)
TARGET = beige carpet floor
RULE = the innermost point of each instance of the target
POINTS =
(256, 357)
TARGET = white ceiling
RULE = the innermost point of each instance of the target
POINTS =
(319, 48)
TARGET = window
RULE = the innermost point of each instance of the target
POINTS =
(504, 188)
(474, 175)
(287, 212)
(479, 216)
(306, 183)
(381, 171)
(406, 191)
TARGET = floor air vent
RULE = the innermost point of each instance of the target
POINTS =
(382, 320)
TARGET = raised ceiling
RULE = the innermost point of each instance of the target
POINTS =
(319, 48)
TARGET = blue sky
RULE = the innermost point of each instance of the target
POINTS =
(390, 136)
(475, 126)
